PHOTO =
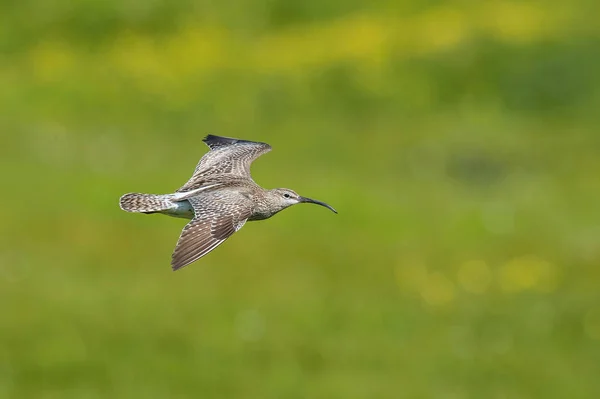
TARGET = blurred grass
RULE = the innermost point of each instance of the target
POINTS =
(458, 141)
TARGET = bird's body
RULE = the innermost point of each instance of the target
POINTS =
(219, 198)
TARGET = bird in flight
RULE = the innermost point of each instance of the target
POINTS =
(219, 198)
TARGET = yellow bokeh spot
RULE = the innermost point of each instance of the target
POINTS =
(591, 324)
(475, 276)
(433, 288)
(196, 50)
(517, 21)
(140, 58)
(528, 272)
(352, 38)
(367, 41)
(362, 37)
(51, 60)
(438, 290)
(411, 275)
(439, 29)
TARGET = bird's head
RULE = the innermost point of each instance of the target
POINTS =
(284, 197)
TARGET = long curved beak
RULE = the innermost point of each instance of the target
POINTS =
(312, 201)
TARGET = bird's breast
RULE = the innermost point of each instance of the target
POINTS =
(260, 213)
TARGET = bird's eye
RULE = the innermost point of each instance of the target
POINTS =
(286, 195)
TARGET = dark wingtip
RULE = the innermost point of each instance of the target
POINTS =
(221, 141)
(211, 139)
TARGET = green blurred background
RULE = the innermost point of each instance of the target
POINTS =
(458, 140)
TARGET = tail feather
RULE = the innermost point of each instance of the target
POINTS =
(145, 203)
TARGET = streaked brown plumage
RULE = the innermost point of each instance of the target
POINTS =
(219, 198)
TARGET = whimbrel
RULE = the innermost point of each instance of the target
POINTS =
(219, 198)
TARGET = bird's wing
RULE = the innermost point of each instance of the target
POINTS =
(218, 214)
(226, 156)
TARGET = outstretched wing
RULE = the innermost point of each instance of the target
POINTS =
(218, 214)
(226, 156)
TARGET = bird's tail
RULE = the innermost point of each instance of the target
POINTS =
(145, 203)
